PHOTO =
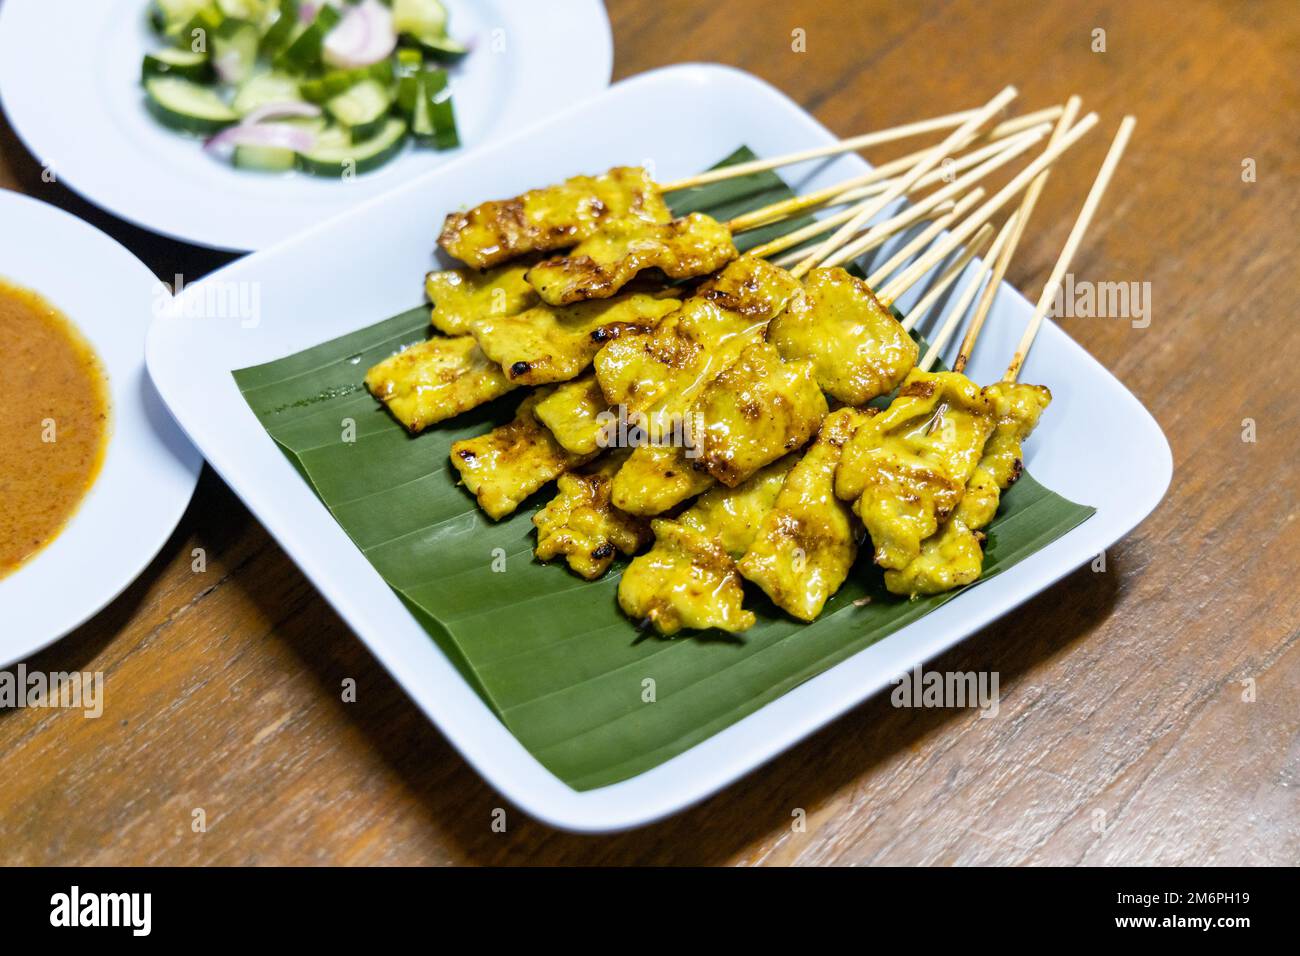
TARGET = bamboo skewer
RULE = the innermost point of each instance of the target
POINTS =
(917, 243)
(1000, 199)
(903, 183)
(878, 234)
(949, 276)
(963, 302)
(854, 249)
(1002, 150)
(862, 141)
(1021, 219)
(1071, 246)
(1010, 149)
(779, 210)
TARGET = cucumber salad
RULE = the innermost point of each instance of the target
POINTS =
(331, 87)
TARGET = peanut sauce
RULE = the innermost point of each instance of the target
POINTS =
(54, 418)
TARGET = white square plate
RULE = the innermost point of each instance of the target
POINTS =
(369, 264)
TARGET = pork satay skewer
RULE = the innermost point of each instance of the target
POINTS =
(697, 244)
(463, 379)
(1005, 152)
(462, 295)
(804, 547)
(829, 326)
(954, 556)
(1008, 192)
(853, 143)
(837, 191)
(1021, 220)
(805, 501)
(561, 215)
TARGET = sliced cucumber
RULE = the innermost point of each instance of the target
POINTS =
(281, 30)
(172, 62)
(304, 52)
(171, 15)
(265, 88)
(441, 114)
(363, 109)
(414, 105)
(251, 10)
(420, 18)
(234, 50)
(321, 89)
(268, 159)
(409, 62)
(443, 47)
(187, 106)
(199, 32)
(425, 100)
(336, 155)
(425, 22)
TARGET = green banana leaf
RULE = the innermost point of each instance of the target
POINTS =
(551, 654)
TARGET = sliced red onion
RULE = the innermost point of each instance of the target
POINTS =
(279, 135)
(287, 108)
(364, 36)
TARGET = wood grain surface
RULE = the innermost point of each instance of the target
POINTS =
(1124, 735)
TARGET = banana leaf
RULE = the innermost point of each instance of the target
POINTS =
(551, 654)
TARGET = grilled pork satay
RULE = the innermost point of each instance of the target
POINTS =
(602, 264)
(689, 578)
(459, 296)
(547, 344)
(696, 244)
(858, 349)
(954, 556)
(445, 376)
(756, 410)
(573, 413)
(436, 380)
(555, 217)
(906, 469)
(581, 524)
(806, 543)
(666, 374)
(646, 369)
(659, 373)
(657, 478)
(673, 368)
(843, 325)
(663, 370)
(509, 463)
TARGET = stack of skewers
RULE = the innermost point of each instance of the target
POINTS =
(757, 449)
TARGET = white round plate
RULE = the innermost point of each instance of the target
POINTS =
(150, 469)
(70, 85)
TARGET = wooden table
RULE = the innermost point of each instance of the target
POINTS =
(1123, 736)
